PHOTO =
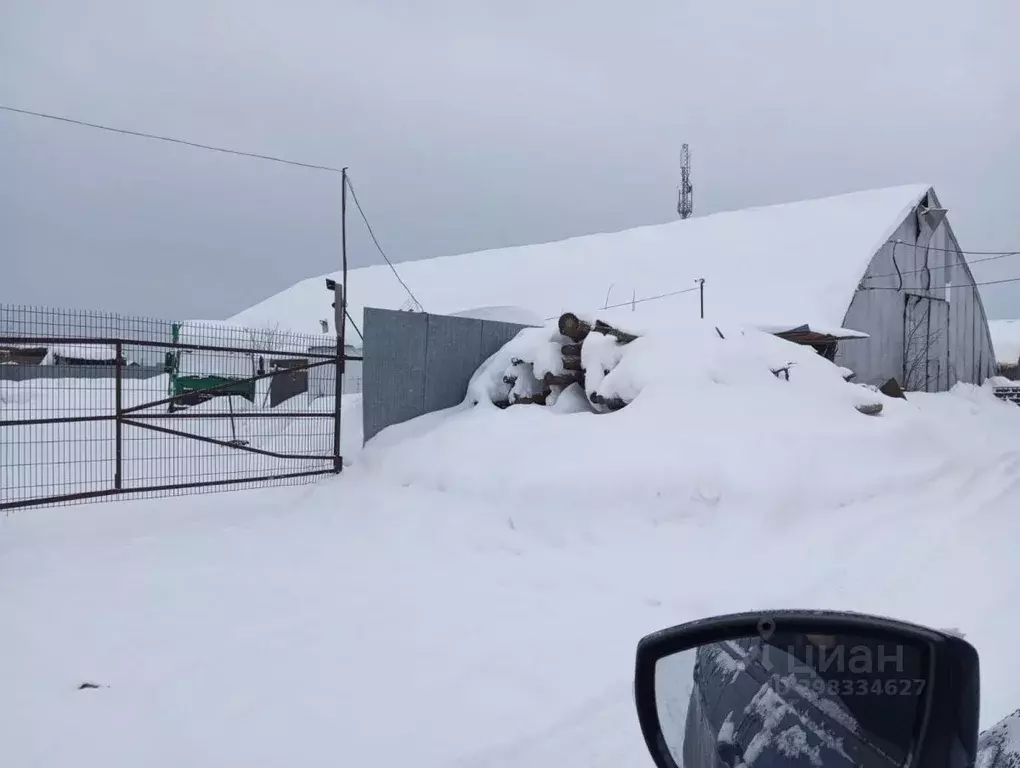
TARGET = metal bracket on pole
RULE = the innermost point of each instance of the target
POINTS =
(340, 324)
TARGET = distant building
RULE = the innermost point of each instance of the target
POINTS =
(875, 280)
(81, 354)
(61, 354)
(17, 354)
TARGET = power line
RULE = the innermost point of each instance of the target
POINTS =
(988, 255)
(224, 150)
(375, 240)
(948, 250)
(949, 285)
(967, 262)
(651, 298)
(639, 301)
(140, 134)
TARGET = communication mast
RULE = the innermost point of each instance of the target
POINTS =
(685, 196)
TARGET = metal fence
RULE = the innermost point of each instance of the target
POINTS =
(144, 408)
(1009, 394)
(416, 363)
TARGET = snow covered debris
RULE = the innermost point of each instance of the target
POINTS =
(777, 265)
(672, 362)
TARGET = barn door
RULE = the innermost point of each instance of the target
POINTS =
(925, 343)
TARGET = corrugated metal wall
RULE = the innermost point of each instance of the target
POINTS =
(416, 363)
(919, 276)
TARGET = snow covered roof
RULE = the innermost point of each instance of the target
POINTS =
(515, 315)
(1006, 340)
(80, 352)
(779, 266)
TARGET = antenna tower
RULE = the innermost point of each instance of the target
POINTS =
(685, 196)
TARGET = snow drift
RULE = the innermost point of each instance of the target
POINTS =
(470, 592)
(708, 419)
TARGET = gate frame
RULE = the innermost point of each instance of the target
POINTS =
(131, 416)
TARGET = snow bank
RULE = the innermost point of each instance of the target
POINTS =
(709, 420)
(710, 425)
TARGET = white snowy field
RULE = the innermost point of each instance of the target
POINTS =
(470, 592)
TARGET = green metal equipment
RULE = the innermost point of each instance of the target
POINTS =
(188, 383)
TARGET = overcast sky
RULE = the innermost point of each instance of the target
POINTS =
(470, 124)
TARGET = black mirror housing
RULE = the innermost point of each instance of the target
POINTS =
(944, 684)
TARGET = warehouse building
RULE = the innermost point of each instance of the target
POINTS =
(875, 280)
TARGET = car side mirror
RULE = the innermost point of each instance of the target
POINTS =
(805, 688)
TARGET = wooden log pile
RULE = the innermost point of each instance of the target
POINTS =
(524, 387)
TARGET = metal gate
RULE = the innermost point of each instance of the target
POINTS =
(116, 423)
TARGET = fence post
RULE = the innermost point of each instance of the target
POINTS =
(340, 294)
(118, 416)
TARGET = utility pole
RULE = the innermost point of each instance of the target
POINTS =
(701, 292)
(685, 195)
(340, 321)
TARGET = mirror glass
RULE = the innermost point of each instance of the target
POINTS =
(792, 699)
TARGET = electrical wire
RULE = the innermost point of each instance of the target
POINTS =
(143, 135)
(375, 240)
(949, 285)
(639, 301)
(987, 255)
(652, 298)
(358, 330)
(951, 250)
(968, 262)
(225, 150)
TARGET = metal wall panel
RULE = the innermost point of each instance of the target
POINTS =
(494, 335)
(393, 373)
(962, 342)
(416, 363)
(453, 354)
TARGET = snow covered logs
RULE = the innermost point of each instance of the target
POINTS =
(563, 364)
(582, 357)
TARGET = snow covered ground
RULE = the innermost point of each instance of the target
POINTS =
(471, 590)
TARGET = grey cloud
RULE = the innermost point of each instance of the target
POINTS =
(471, 125)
